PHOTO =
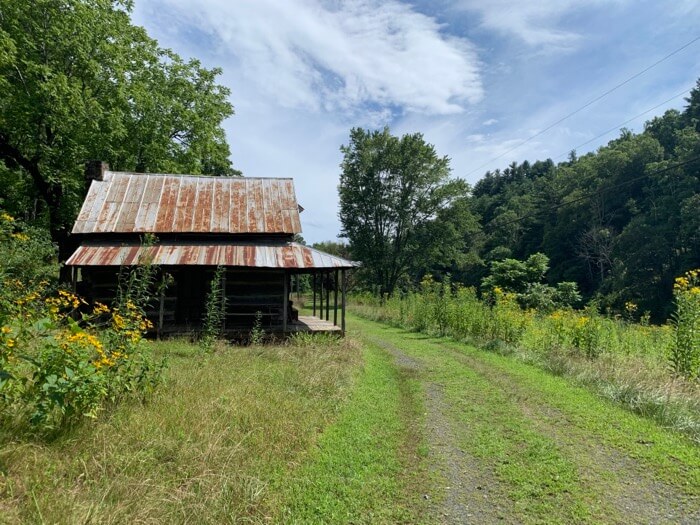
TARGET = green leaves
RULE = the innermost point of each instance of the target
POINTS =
(390, 187)
(5, 376)
(524, 279)
(81, 82)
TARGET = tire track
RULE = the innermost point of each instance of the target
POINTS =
(472, 494)
(633, 491)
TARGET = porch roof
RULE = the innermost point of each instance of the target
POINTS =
(284, 255)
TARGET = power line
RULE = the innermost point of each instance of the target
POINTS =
(614, 128)
(591, 102)
(601, 191)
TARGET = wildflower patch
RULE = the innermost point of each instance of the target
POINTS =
(62, 359)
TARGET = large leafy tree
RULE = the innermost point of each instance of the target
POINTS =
(390, 188)
(450, 243)
(79, 81)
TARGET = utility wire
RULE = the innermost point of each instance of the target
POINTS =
(601, 191)
(591, 102)
(614, 128)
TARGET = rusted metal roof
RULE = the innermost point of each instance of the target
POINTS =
(158, 203)
(282, 255)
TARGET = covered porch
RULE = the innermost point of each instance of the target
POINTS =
(257, 284)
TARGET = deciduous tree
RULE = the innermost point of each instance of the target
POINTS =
(79, 81)
(389, 188)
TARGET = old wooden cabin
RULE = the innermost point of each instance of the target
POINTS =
(245, 225)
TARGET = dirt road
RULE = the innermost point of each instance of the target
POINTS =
(509, 443)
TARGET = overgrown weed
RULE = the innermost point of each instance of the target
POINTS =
(213, 442)
(63, 361)
(214, 311)
(623, 361)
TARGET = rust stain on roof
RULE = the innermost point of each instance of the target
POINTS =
(283, 255)
(159, 203)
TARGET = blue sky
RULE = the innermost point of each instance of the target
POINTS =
(477, 78)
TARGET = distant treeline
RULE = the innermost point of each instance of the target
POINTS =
(622, 222)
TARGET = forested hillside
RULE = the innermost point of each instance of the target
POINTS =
(622, 221)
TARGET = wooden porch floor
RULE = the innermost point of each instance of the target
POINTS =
(308, 323)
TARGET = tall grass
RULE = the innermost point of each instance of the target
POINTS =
(621, 360)
(215, 444)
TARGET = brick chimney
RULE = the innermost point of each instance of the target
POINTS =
(95, 170)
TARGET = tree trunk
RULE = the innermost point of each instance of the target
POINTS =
(50, 193)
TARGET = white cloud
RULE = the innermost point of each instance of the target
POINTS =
(533, 22)
(302, 72)
(339, 56)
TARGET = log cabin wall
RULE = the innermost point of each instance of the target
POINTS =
(247, 291)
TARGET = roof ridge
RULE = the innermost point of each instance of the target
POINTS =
(217, 177)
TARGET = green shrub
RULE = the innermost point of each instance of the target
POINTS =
(214, 311)
(26, 253)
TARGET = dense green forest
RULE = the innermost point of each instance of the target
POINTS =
(622, 222)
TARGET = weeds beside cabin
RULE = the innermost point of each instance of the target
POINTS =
(246, 225)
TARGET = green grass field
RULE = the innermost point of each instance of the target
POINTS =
(386, 426)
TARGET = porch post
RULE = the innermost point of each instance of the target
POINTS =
(328, 298)
(320, 298)
(342, 311)
(335, 299)
(285, 304)
(161, 310)
(313, 287)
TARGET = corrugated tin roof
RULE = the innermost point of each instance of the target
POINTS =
(283, 255)
(159, 203)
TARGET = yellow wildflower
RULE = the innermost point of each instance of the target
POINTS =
(100, 308)
(118, 322)
(20, 237)
(69, 299)
(6, 329)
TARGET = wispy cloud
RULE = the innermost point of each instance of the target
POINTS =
(303, 72)
(341, 56)
(535, 23)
